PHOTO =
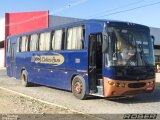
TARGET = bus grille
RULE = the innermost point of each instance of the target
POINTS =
(136, 85)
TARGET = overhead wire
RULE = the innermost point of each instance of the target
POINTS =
(131, 9)
(117, 8)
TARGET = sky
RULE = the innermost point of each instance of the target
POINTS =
(146, 12)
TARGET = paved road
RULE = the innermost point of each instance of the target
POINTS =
(146, 103)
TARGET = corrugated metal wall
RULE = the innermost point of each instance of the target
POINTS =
(59, 20)
(156, 33)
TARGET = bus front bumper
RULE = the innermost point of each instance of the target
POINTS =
(127, 88)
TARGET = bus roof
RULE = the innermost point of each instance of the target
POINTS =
(97, 21)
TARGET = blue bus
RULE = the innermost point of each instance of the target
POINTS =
(92, 57)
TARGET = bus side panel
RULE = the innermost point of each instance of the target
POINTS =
(44, 73)
(8, 64)
(10, 59)
(77, 64)
(33, 68)
(48, 73)
(56, 76)
(23, 63)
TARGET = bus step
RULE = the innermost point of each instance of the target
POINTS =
(99, 76)
(100, 90)
(100, 82)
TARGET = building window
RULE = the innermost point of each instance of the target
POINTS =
(44, 41)
(75, 39)
(34, 42)
(57, 40)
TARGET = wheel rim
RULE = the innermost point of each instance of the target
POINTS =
(78, 87)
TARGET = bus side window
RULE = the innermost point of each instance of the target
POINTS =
(41, 42)
(34, 42)
(23, 44)
(83, 37)
(28, 43)
(19, 41)
(57, 40)
(63, 39)
(44, 41)
(52, 41)
(47, 40)
(8, 45)
(75, 38)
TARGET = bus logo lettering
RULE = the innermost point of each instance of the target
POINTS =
(56, 59)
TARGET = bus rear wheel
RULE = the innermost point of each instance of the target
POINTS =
(79, 88)
(24, 79)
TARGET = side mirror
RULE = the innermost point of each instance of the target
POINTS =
(105, 43)
(152, 39)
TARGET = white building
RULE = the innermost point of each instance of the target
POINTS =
(2, 37)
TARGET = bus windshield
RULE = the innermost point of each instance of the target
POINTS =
(129, 47)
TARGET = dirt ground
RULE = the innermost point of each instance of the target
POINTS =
(16, 107)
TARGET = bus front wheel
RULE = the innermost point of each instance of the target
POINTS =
(24, 79)
(79, 88)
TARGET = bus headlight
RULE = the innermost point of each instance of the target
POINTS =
(150, 83)
(122, 85)
(116, 84)
(110, 82)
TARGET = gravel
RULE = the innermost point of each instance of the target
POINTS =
(22, 107)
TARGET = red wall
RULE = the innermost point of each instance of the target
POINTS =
(16, 23)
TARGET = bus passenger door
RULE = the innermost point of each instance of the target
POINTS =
(95, 62)
(13, 56)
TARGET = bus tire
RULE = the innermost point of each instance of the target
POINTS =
(24, 79)
(79, 87)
